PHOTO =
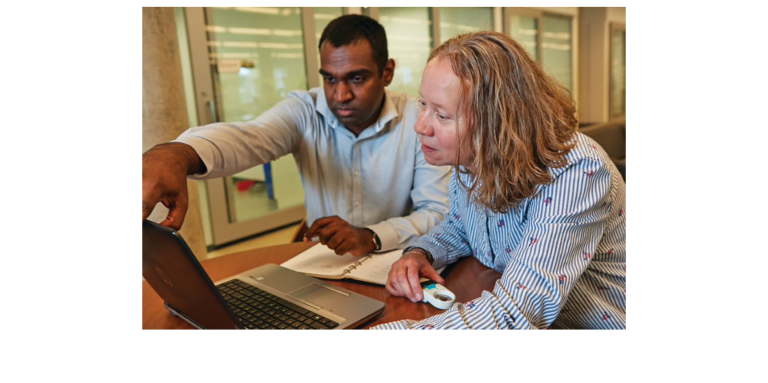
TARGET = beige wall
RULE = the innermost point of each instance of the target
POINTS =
(164, 110)
(594, 70)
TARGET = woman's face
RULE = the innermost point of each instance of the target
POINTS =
(438, 122)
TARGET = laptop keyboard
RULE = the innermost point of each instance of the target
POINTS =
(258, 309)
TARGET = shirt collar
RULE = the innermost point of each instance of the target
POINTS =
(388, 111)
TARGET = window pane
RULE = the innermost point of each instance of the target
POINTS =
(410, 42)
(455, 21)
(323, 16)
(618, 73)
(556, 49)
(525, 29)
(257, 58)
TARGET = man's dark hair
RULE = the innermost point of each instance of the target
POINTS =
(349, 29)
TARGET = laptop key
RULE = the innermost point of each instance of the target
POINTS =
(257, 308)
(318, 325)
(294, 307)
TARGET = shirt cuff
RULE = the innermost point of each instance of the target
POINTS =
(387, 234)
(204, 149)
(438, 253)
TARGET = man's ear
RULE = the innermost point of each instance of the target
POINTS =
(389, 71)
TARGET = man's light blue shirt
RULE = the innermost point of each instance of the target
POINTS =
(378, 180)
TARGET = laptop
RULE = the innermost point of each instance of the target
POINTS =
(267, 297)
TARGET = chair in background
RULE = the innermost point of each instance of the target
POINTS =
(612, 137)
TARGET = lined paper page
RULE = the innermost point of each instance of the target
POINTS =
(322, 261)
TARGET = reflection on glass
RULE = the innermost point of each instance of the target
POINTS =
(323, 16)
(410, 42)
(257, 58)
(525, 29)
(557, 49)
(456, 21)
(618, 72)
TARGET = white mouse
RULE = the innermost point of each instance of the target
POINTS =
(437, 295)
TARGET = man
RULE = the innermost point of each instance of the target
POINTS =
(366, 184)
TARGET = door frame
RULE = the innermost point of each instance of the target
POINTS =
(224, 227)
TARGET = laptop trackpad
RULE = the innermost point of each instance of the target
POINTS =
(318, 295)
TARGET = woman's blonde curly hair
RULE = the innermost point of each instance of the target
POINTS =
(519, 120)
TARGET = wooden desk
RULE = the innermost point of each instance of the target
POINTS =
(467, 280)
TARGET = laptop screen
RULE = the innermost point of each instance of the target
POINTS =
(178, 278)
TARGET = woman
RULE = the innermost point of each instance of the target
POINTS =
(529, 196)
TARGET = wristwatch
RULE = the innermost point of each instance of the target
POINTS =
(376, 240)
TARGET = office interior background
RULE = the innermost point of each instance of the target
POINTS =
(232, 64)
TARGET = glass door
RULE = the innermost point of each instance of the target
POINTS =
(548, 38)
(456, 21)
(557, 48)
(409, 35)
(245, 60)
(525, 26)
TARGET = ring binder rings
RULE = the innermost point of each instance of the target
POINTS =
(320, 261)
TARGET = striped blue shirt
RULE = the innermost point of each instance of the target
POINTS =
(561, 252)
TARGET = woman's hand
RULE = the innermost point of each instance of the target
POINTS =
(404, 275)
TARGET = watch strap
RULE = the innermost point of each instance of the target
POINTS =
(376, 240)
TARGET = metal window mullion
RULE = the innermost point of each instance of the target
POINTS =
(310, 46)
(200, 61)
(540, 38)
(575, 58)
(434, 13)
(499, 21)
(373, 12)
(352, 11)
(204, 98)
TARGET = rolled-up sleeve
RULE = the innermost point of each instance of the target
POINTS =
(229, 148)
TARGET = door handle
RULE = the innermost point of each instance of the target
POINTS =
(211, 110)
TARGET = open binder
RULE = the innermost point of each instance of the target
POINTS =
(320, 261)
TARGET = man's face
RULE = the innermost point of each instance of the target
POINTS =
(353, 88)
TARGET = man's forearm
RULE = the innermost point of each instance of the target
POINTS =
(186, 155)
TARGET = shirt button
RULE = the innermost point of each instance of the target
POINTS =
(357, 173)
(357, 203)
